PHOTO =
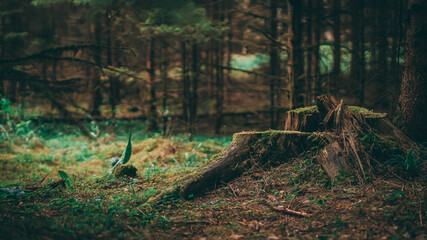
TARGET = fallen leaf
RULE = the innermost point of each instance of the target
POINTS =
(236, 236)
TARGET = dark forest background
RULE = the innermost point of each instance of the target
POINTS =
(203, 65)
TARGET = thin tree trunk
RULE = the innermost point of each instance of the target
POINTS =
(112, 79)
(337, 43)
(211, 56)
(95, 86)
(229, 49)
(397, 73)
(16, 19)
(296, 63)
(152, 115)
(355, 41)
(382, 74)
(362, 54)
(309, 39)
(195, 73)
(3, 47)
(274, 63)
(185, 82)
(413, 98)
(315, 55)
(219, 73)
(164, 72)
(219, 87)
(210, 69)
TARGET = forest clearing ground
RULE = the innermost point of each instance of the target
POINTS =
(99, 207)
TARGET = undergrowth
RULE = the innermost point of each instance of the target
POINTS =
(101, 206)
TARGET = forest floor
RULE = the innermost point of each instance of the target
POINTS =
(98, 206)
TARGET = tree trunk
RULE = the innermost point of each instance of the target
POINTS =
(95, 86)
(112, 79)
(315, 55)
(219, 73)
(194, 97)
(164, 72)
(274, 63)
(2, 49)
(413, 91)
(185, 82)
(397, 41)
(229, 5)
(355, 41)
(152, 115)
(308, 60)
(296, 63)
(382, 73)
(219, 87)
(336, 70)
(362, 55)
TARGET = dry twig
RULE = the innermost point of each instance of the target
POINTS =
(290, 211)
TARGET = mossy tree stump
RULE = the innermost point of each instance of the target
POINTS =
(311, 119)
(336, 125)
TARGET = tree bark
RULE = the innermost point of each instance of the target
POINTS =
(219, 86)
(315, 55)
(95, 86)
(185, 81)
(219, 73)
(152, 115)
(362, 55)
(164, 72)
(113, 94)
(296, 63)
(3, 48)
(413, 90)
(355, 41)
(274, 63)
(382, 73)
(337, 44)
(194, 96)
(309, 51)
(332, 158)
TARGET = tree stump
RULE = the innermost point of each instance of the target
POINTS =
(331, 121)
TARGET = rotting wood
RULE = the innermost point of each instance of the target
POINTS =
(247, 149)
(332, 159)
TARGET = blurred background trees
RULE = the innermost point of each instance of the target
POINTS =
(199, 65)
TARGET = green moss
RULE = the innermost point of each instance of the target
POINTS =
(356, 109)
(381, 148)
(366, 112)
(304, 110)
(215, 157)
(125, 170)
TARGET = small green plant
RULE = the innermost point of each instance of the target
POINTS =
(94, 129)
(410, 164)
(66, 178)
(125, 156)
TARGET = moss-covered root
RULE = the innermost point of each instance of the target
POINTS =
(247, 147)
(125, 171)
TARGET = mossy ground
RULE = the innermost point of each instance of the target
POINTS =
(101, 207)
